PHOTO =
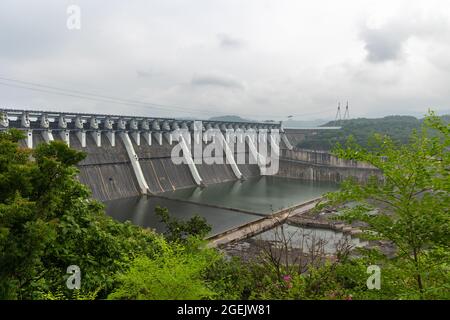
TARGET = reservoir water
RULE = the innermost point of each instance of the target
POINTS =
(262, 195)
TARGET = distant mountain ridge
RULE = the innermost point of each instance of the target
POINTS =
(287, 123)
(230, 118)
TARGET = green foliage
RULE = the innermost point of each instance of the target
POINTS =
(179, 230)
(411, 202)
(176, 273)
(234, 279)
(48, 222)
(398, 128)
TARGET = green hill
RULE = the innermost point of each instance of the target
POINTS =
(398, 128)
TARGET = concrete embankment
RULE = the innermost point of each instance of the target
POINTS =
(106, 170)
(159, 171)
(253, 228)
(322, 166)
(109, 173)
(309, 222)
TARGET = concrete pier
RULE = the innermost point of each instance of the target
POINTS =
(253, 228)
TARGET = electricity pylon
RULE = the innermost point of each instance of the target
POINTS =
(338, 113)
(346, 113)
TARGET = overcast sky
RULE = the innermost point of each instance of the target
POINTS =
(264, 59)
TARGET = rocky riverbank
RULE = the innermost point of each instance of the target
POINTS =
(254, 247)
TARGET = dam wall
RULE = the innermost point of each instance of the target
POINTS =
(299, 170)
(247, 169)
(213, 172)
(159, 171)
(321, 158)
(322, 166)
(106, 170)
(127, 156)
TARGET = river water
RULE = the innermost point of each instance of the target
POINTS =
(307, 238)
(262, 195)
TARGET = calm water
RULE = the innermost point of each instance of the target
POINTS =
(141, 211)
(306, 238)
(264, 195)
(261, 194)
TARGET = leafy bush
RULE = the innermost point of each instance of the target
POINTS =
(177, 272)
(48, 221)
(179, 230)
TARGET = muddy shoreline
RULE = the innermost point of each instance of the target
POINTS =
(256, 248)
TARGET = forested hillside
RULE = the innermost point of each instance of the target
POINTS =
(398, 128)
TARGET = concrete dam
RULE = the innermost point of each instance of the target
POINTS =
(128, 157)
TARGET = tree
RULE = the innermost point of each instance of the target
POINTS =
(179, 230)
(48, 221)
(411, 202)
(399, 128)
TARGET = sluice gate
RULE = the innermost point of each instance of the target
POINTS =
(128, 156)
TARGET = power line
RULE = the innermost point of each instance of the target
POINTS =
(68, 94)
(109, 99)
(77, 92)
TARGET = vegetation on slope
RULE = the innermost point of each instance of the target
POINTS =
(48, 222)
(398, 128)
(412, 204)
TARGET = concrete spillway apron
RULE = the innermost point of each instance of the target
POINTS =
(134, 162)
(255, 227)
(189, 161)
(261, 160)
(286, 141)
(274, 146)
(230, 156)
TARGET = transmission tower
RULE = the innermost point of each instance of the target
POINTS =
(346, 113)
(338, 113)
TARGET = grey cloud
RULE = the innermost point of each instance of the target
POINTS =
(384, 44)
(169, 52)
(217, 81)
(31, 30)
(147, 73)
(228, 42)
